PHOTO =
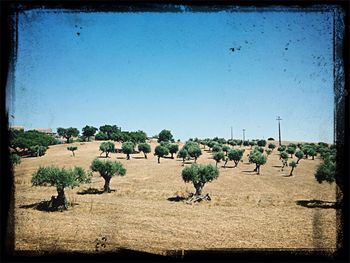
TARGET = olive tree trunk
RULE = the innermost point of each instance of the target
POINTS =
(291, 171)
(145, 155)
(106, 188)
(158, 159)
(199, 188)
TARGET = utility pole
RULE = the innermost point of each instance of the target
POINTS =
(243, 135)
(231, 134)
(279, 129)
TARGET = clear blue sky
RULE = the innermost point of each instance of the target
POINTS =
(176, 71)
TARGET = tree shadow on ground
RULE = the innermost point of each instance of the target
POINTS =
(249, 171)
(177, 198)
(45, 206)
(277, 166)
(138, 157)
(103, 157)
(92, 191)
(317, 204)
(121, 158)
(228, 166)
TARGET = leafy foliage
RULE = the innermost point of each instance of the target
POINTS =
(37, 150)
(299, 154)
(101, 136)
(271, 146)
(292, 164)
(216, 148)
(107, 147)
(281, 148)
(22, 142)
(165, 136)
(173, 148)
(326, 171)
(194, 151)
(183, 153)
(261, 143)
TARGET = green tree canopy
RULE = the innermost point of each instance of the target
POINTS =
(107, 169)
(165, 136)
(258, 158)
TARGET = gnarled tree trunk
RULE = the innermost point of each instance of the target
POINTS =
(158, 159)
(106, 188)
(145, 155)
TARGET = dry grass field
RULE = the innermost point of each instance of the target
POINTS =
(246, 211)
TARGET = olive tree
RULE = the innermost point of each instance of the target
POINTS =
(299, 154)
(145, 148)
(183, 153)
(89, 131)
(217, 148)
(127, 148)
(226, 148)
(291, 148)
(165, 136)
(261, 143)
(258, 158)
(234, 155)
(292, 164)
(107, 169)
(37, 150)
(284, 158)
(194, 151)
(68, 133)
(173, 148)
(72, 149)
(107, 147)
(199, 175)
(312, 153)
(161, 151)
(218, 156)
(271, 146)
(61, 178)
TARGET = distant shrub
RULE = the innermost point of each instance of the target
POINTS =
(218, 156)
(183, 153)
(37, 150)
(261, 143)
(101, 136)
(72, 149)
(270, 139)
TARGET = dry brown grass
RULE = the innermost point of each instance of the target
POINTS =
(246, 210)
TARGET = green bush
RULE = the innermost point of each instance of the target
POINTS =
(299, 154)
(271, 146)
(37, 150)
(216, 148)
(15, 159)
(183, 154)
(101, 136)
(261, 143)
(194, 151)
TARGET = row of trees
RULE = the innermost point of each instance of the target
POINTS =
(105, 132)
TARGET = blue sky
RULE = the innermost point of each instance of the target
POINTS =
(152, 71)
